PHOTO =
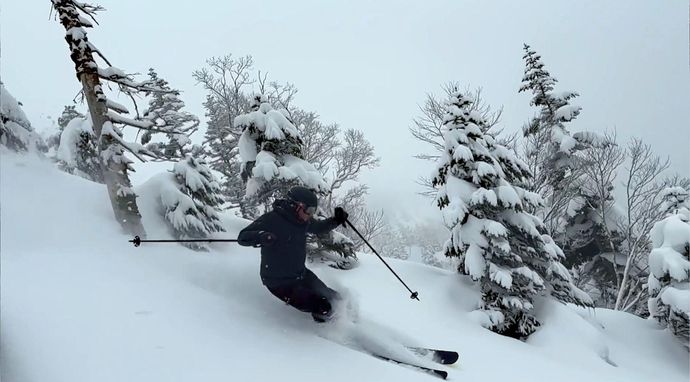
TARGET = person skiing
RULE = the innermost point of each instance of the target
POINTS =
(282, 236)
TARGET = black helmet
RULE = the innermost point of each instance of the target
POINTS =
(299, 194)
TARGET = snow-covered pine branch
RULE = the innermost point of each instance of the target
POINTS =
(166, 114)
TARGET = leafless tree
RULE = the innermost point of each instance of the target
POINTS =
(281, 96)
(354, 155)
(369, 223)
(320, 140)
(635, 294)
(226, 79)
(643, 184)
(339, 156)
(351, 200)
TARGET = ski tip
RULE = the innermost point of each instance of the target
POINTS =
(442, 374)
(446, 357)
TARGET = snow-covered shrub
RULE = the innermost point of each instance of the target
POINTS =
(16, 132)
(669, 265)
(77, 153)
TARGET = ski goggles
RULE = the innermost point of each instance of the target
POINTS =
(308, 210)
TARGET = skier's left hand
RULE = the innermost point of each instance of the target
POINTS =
(340, 215)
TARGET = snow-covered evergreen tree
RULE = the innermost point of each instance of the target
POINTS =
(191, 200)
(498, 243)
(669, 265)
(271, 154)
(77, 152)
(570, 212)
(68, 114)
(16, 132)
(165, 111)
(560, 170)
(592, 246)
(555, 110)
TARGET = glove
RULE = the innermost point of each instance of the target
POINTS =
(340, 215)
(267, 239)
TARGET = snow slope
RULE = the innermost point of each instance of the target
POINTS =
(80, 303)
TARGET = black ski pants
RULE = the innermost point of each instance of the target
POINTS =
(308, 294)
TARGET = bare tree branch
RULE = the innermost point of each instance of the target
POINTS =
(355, 154)
(319, 140)
(642, 202)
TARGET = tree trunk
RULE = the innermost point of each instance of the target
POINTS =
(623, 290)
(122, 199)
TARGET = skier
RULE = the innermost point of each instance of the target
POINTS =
(282, 236)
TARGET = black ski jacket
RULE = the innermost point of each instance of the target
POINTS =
(283, 261)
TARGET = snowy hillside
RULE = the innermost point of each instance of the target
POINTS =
(80, 303)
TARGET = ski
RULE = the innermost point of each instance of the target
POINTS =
(411, 362)
(374, 340)
(444, 357)
(435, 372)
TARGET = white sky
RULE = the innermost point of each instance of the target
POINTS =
(368, 65)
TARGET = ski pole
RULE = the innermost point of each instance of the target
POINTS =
(414, 295)
(137, 241)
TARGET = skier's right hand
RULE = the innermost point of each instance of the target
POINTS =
(340, 216)
(267, 239)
